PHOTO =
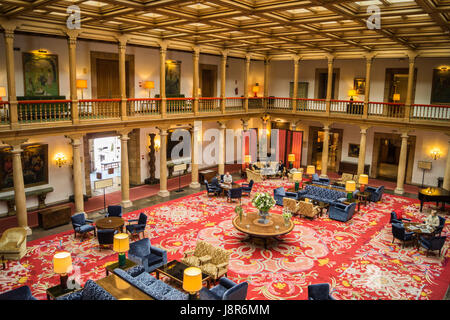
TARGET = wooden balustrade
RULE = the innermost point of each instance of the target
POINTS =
(386, 110)
(179, 105)
(234, 104)
(207, 104)
(255, 103)
(99, 108)
(347, 107)
(315, 105)
(143, 107)
(274, 103)
(4, 112)
(43, 110)
(429, 112)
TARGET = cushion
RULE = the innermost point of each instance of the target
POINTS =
(93, 291)
(191, 261)
(159, 289)
(146, 278)
(141, 248)
(153, 258)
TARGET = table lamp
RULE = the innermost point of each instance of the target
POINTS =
(396, 97)
(62, 264)
(291, 159)
(363, 180)
(255, 90)
(82, 84)
(121, 245)
(247, 160)
(149, 85)
(350, 186)
(352, 93)
(310, 170)
(192, 281)
(2, 92)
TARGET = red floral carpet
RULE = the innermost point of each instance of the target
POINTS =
(357, 258)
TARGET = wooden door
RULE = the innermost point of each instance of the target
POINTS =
(108, 79)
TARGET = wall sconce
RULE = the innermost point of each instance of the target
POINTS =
(2, 92)
(255, 90)
(82, 84)
(60, 159)
(149, 85)
(435, 154)
(157, 145)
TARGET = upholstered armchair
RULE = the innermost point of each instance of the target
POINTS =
(225, 290)
(235, 193)
(247, 188)
(82, 225)
(106, 237)
(340, 211)
(291, 205)
(20, 293)
(394, 218)
(211, 190)
(253, 175)
(201, 254)
(218, 265)
(307, 209)
(295, 177)
(138, 227)
(318, 180)
(280, 193)
(319, 291)
(375, 193)
(13, 243)
(399, 232)
(114, 211)
(431, 244)
(345, 177)
(440, 227)
(150, 257)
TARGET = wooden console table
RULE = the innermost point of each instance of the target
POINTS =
(41, 193)
(55, 216)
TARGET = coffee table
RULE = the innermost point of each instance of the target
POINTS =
(275, 228)
(121, 289)
(175, 271)
(128, 264)
(115, 223)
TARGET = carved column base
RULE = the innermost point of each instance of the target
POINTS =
(126, 203)
(163, 193)
(399, 191)
(195, 185)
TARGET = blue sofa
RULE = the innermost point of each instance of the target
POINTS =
(90, 291)
(280, 193)
(225, 290)
(147, 283)
(321, 194)
(340, 211)
(375, 193)
(20, 293)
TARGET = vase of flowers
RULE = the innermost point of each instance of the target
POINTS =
(263, 201)
(287, 215)
(239, 211)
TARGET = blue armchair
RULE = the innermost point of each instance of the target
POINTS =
(114, 211)
(82, 225)
(150, 257)
(212, 190)
(375, 193)
(341, 211)
(399, 232)
(235, 193)
(317, 180)
(225, 290)
(106, 237)
(280, 193)
(139, 226)
(440, 227)
(431, 244)
(20, 293)
(394, 218)
(247, 188)
(320, 291)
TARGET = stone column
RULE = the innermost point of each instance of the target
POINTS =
(163, 192)
(162, 79)
(195, 84)
(122, 77)
(369, 59)
(246, 81)
(295, 89)
(77, 141)
(409, 92)
(9, 28)
(329, 83)
(72, 43)
(446, 184)
(124, 169)
(195, 140)
(222, 148)
(362, 151)
(326, 138)
(19, 186)
(266, 81)
(402, 164)
(223, 75)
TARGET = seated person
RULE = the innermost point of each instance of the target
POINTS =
(432, 219)
(227, 178)
(215, 182)
(255, 167)
(282, 168)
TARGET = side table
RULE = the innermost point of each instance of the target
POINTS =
(57, 291)
(128, 264)
(363, 197)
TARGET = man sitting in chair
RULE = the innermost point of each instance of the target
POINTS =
(432, 219)
(227, 181)
(215, 182)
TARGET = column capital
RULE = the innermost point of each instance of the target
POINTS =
(267, 60)
(330, 58)
(124, 133)
(296, 58)
(364, 129)
(163, 44)
(9, 26)
(163, 130)
(224, 53)
(404, 134)
(72, 35)
(248, 57)
(222, 124)
(196, 52)
(370, 56)
(412, 55)
(75, 138)
(245, 123)
(122, 39)
(327, 124)
(15, 142)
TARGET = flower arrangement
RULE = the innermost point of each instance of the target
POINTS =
(286, 214)
(263, 201)
(239, 211)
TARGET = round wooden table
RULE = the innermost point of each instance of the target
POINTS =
(115, 223)
(419, 229)
(276, 226)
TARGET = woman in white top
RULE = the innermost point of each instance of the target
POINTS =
(433, 219)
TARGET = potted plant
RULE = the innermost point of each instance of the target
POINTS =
(263, 201)
(239, 211)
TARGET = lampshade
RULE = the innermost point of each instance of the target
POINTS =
(62, 262)
(352, 93)
(247, 158)
(2, 92)
(82, 84)
(350, 186)
(255, 89)
(192, 279)
(297, 176)
(149, 84)
(363, 179)
(291, 157)
(310, 169)
(121, 243)
(396, 97)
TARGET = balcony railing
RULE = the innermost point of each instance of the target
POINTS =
(44, 111)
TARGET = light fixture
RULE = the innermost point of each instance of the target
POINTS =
(62, 264)
(352, 93)
(350, 186)
(121, 245)
(291, 159)
(149, 85)
(60, 159)
(396, 97)
(157, 145)
(2, 92)
(255, 90)
(82, 84)
(247, 158)
(310, 170)
(435, 154)
(363, 180)
(192, 281)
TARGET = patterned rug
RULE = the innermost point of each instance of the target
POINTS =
(357, 258)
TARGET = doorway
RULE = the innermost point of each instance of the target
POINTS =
(320, 88)
(316, 147)
(396, 82)
(208, 80)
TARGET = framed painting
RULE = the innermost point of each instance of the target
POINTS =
(173, 71)
(34, 166)
(359, 84)
(353, 150)
(40, 74)
(440, 86)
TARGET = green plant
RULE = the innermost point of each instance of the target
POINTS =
(287, 215)
(239, 211)
(263, 201)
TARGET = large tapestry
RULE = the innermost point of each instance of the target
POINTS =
(40, 74)
(173, 77)
(34, 166)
